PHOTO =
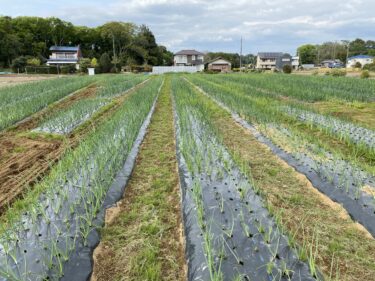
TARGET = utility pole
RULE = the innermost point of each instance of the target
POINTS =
(347, 53)
(114, 51)
(241, 56)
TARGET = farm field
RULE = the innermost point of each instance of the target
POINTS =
(12, 79)
(188, 177)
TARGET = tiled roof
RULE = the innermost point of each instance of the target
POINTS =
(64, 48)
(270, 55)
(361, 57)
(189, 52)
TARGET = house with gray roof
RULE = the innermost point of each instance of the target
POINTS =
(362, 59)
(189, 58)
(273, 60)
(64, 55)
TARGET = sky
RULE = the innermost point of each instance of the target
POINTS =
(264, 25)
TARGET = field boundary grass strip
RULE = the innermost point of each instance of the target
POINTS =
(344, 250)
(142, 239)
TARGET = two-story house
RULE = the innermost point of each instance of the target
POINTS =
(273, 60)
(189, 58)
(64, 55)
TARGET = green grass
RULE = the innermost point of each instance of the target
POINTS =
(362, 113)
(142, 242)
(41, 135)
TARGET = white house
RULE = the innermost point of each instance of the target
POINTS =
(64, 55)
(362, 59)
(295, 62)
(189, 58)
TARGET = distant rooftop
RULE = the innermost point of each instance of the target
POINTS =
(64, 48)
(189, 52)
(270, 55)
(361, 57)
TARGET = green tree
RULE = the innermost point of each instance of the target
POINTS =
(121, 35)
(84, 64)
(307, 54)
(19, 64)
(33, 62)
(331, 50)
(123, 42)
(94, 62)
(357, 47)
(105, 63)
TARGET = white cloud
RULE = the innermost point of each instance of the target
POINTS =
(217, 25)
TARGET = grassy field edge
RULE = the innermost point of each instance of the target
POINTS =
(142, 239)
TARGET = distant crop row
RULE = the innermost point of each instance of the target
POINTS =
(64, 121)
(18, 102)
(307, 88)
(256, 106)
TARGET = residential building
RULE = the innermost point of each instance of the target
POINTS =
(189, 58)
(295, 62)
(220, 65)
(64, 55)
(273, 60)
(362, 59)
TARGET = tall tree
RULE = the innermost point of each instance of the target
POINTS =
(357, 47)
(124, 43)
(307, 54)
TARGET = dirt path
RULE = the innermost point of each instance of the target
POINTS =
(142, 239)
(344, 248)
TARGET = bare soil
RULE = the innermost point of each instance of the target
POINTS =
(24, 161)
(14, 79)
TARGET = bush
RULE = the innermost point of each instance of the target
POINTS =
(84, 64)
(33, 62)
(358, 65)
(94, 63)
(365, 74)
(369, 67)
(257, 70)
(19, 64)
(209, 71)
(49, 69)
(338, 72)
(114, 69)
(287, 69)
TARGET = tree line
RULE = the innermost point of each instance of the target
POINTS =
(315, 54)
(113, 44)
